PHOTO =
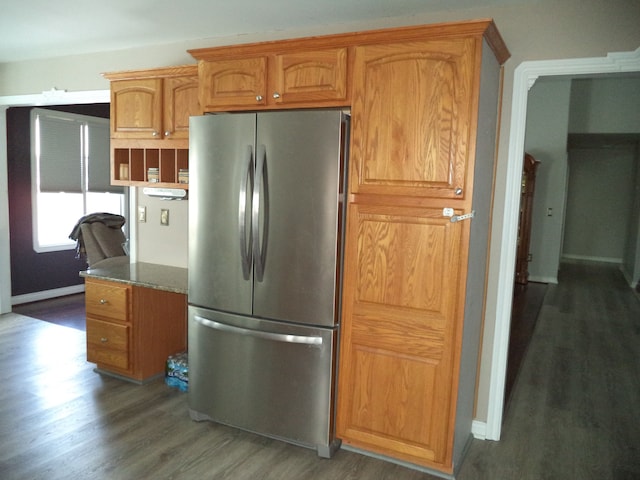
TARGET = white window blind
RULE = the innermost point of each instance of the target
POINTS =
(72, 152)
(59, 153)
(98, 161)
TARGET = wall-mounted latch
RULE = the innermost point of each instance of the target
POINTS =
(458, 218)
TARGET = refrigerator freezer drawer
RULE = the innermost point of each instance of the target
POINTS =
(267, 377)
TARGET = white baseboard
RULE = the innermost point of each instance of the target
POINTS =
(479, 430)
(533, 278)
(46, 294)
(629, 279)
(589, 258)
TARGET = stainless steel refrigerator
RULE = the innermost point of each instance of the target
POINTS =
(266, 217)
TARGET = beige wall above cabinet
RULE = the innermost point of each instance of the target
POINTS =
(150, 112)
(234, 78)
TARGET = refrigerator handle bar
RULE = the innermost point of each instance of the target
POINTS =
(276, 337)
(245, 246)
(257, 205)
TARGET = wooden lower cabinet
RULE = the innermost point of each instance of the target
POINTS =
(132, 330)
(400, 295)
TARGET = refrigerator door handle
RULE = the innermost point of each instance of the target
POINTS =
(245, 240)
(276, 337)
(260, 208)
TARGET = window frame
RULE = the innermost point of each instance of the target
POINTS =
(83, 122)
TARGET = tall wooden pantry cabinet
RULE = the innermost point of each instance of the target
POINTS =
(424, 116)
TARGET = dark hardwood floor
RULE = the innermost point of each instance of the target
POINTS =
(573, 412)
(527, 302)
(68, 311)
(575, 406)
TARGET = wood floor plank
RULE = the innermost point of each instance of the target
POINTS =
(61, 420)
(573, 412)
(575, 408)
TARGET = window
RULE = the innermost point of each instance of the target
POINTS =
(69, 175)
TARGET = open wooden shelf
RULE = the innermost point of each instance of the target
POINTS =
(131, 165)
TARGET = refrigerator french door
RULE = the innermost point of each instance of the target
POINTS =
(265, 242)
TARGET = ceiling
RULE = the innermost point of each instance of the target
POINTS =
(35, 29)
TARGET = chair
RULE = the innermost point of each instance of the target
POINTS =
(99, 236)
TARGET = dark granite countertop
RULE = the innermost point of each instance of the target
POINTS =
(150, 275)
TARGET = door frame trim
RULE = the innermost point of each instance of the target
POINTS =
(49, 97)
(525, 76)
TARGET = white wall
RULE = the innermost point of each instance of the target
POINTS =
(157, 243)
(537, 30)
(546, 140)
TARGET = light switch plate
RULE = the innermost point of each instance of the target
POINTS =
(142, 214)
(164, 216)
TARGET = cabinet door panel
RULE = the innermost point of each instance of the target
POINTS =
(411, 117)
(399, 324)
(229, 83)
(180, 102)
(313, 76)
(136, 108)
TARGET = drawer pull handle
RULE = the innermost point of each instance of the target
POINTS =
(103, 301)
(104, 340)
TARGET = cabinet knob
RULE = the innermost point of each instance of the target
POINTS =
(104, 340)
(258, 98)
(276, 95)
(103, 301)
(167, 133)
(458, 191)
(155, 134)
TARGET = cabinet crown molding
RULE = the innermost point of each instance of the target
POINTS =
(480, 27)
(164, 72)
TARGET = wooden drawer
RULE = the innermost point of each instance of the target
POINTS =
(107, 343)
(109, 300)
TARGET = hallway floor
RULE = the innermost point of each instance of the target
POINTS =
(575, 409)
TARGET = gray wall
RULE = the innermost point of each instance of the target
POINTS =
(600, 199)
(631, 260)
(546, 140)
(594, 184)
(605, 105)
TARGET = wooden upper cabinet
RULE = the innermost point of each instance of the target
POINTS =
(291, 78)
(136, 108)
(154, 104)
(150, 112)
(310, 77)
(180, 102)
(411, 116)
(233, 83)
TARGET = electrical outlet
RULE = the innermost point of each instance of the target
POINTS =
(164, 216)
(142, 214)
